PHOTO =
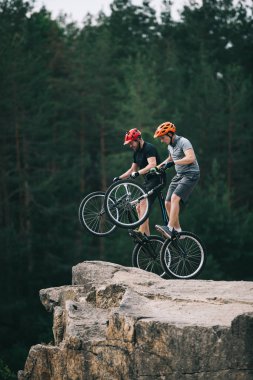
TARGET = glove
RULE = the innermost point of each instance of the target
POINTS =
(135, 174)
(116, 179)
(169, 164)
(154, 170)
(161, 169)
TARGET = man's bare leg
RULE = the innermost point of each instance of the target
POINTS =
(168, 207)
(174, 212)
(144, 227)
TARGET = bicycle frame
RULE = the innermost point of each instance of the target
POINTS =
(144, 242)
(121, 198)
(160, 199)
(161, 203)
(163, 209)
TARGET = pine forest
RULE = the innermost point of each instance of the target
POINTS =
(69, 93)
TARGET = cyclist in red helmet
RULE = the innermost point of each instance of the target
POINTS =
(132, 135)
(145, 157)
(180, 154)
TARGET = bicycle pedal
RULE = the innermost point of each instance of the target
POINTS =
(137, 239)
(138, 236)
(144, 240)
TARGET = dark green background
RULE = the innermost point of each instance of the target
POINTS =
(67, 97)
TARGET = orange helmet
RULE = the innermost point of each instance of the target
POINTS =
(132, 135)
(164, 129)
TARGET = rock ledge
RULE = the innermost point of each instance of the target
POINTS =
(117, 323)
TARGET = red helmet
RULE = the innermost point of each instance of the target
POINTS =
(132, 135)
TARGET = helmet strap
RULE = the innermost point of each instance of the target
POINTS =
(171, 135)
(139, 145)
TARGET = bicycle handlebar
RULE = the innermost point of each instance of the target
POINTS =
(157, 170)
(153, 171)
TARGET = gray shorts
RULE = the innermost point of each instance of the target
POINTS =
(182, 185)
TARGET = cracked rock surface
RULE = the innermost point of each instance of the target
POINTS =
(118, 323)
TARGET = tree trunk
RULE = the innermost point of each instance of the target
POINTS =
(229, 138)
(82, 154)
(102, 158)
(27, 206)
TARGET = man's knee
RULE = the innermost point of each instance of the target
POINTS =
(175, 198)
(167, 204)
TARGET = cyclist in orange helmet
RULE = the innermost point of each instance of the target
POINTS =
(145, 157)
(181, 154)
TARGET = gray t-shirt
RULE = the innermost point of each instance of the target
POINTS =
(180, 145)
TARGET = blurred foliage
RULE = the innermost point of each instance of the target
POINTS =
(5, 372)
(67, 97)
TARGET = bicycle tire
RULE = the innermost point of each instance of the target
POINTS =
(92, 216)
(142, 258)
(126, 195)
(185, 254)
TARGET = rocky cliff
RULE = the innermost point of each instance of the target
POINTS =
(123, 323)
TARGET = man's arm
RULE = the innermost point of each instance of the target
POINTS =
(132, 169)
(151, 164)
(189, 158)
(165, 161)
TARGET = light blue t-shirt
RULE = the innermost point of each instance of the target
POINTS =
(180, 145)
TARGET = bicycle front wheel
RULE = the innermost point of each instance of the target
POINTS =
(127, 204)
(183, 256)
(146, 255)
(92, 215)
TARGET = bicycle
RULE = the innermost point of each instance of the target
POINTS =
(146, 252)
(92, 215)
(183, 256)
(123, 196)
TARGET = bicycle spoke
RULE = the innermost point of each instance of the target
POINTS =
(92, 214)
(126, 196)
(147, 256)
(186, 256)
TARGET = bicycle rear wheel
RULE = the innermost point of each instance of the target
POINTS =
(146, 255)
(121, 202)
(92, 215)
(183, 256)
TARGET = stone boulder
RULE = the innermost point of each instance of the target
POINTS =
(118, 323)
